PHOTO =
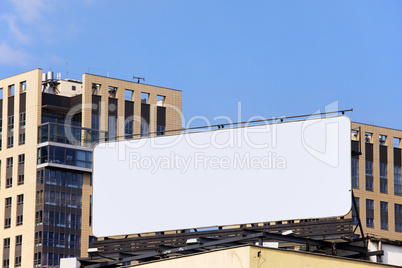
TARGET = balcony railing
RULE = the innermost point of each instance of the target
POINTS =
(67, 134)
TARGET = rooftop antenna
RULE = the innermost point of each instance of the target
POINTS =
(139, 78)
(67, 70)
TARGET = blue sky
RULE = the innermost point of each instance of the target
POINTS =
(278, 58)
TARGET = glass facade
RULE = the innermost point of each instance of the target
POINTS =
(384, 215)
(61, 240)
(398, 218)
(50, 132)
(397, 180)
(383, 178)
(112, 127)
(355, 173)
(128, 128)
(62, 199)
(58, 214)
(160, 130)
(144, 129)
(355, 211)
(62, 219)
(370, 213)
(60, 178)
(64, 156)
(369, 175)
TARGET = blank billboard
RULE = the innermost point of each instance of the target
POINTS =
(271, 172)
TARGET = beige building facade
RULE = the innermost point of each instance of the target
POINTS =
(376, 180)
(253, 257)
(47, 130)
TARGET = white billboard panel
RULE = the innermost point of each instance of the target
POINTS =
(272, 172)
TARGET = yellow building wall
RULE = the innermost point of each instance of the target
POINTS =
(257, 257)
(376, 195)
(33, 108)
(277, 258)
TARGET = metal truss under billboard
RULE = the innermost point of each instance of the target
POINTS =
(260, 173)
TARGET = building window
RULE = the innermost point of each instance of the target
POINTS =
(384, 215)
(62, 240)
(112, 127)
(38, 239)
(90, 210)
(60, 178)
(22, 120)
(9, 162)
(38, 259)
(92, 239)
(19, 220)
(355, 211)
(7, 223)
(20, 199)
(383, 178)
(160, 130)
(95, 123)
(39, 197)
(39, 217)
(73, 88)
(397, 181)
(144, 97)
(11, 90)
(23, 86)
(22, 138)
(57, 198)
(18, 240)
(21, 159)
(383, 140)
(398, 218)
(8, 202)
(369, 175)
(397, 143)
(64, 156)
(112, 92)
(369, 213)
(10, 141)
(11, 123)
(21, 179)
(128, 95)
(144, 129)
(9, 182)
(355, 173)
(128, 128)
(6, 243)
(6, 263)
(18, 261)
(39, 177)
(61, 219)
(160, 100)
(96, 89)
(1, 126)
(368, 137)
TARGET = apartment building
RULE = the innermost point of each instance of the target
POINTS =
(376, 180)
(48, 127)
